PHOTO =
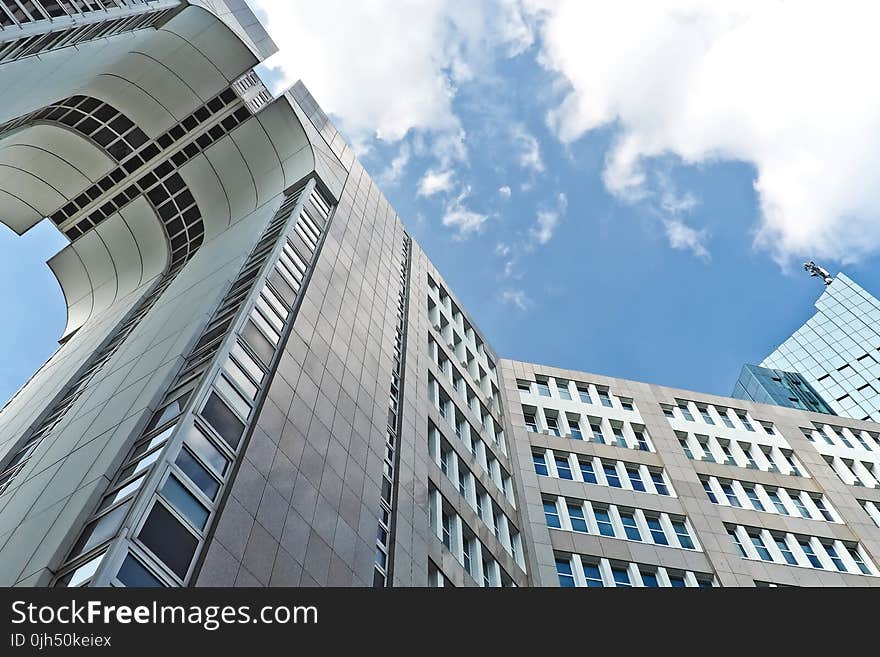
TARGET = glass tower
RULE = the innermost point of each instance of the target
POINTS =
(778, 387)
(836, 350)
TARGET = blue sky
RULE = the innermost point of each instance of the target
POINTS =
(627, 190)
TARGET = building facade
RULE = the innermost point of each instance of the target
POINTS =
(264, 381)
(777, 387)
(836, 350)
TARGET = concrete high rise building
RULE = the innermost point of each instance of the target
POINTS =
(264, 381)
(837, 350)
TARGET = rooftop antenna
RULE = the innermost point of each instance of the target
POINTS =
(815, 270)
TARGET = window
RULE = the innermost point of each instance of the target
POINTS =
(860, 563)
(552, 515)
(762, 550)
(641, 440)
(785, 550)
(730, 494)
(540, 464)
(562, 387)
(604, 398)
(667, 411)
(768, 429)
(627, 404)
(133, 573)
(823, 509)
(704, 413)
(587, 472)
(552, 426)
(684, 537)
(685, 411)
(659, 483)
(649, 578)
(635, 479)
(576, 516)
(185, 502)
(575, 427)
(593, 575)
(687, 450)
(598, 436)
(677, 581)
(752, 494)
(835, 558)
(619, 439)
(584, 394)
(447, 529)
(531, 423)
(603, 520)
(707, 451)
(197, 473)
(725, 418)
(728, 455)
(799, 504)
(566, 576)
(739, 547)
(611, 475)
(621, 576)
(168, 539)
(657, 533)
(747, 450)
(543, 388)
(745, 421)
(563, 468)
(630, 527)
(709, 492)
(223, 420)
(777, 502)
(523, 386)
(808, 551)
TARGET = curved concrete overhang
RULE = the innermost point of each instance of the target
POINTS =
(157, 80)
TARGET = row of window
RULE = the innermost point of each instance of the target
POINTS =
(614, 521)
(462, 542)
(471, 490)
(826, 434)
(470, 438)
(575, 570)
(489, 424)
(716, 416)
(782, 501)
(751, 455)
(388, 496)
(800, 550)
(603, 472)
(74, 34)
(592, 429)
(171, 534)
(855, 472)
(588, 393)
(460, 336)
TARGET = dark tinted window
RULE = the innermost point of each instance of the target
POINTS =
(224, 421)
(169, 540)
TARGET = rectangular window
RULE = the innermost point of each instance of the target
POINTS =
(659, 483)
(808, 551)
(642, 441)
(630, 527)
(575, 427)
(799, 504)
(543, 388)
(777, 502)
(598, 436)
(649, 579)
(604, 398)
(785, 550)
(593, 575)
(823, 509)
(562, 387)
(835, 558)
(566, 576)
(523, 386)
(587, 472)
(603, 520)
(621, 576)
(563, 468)
(576, 516)
(685, 411)
(725, 418)
(762, 550)
(619, 440)
(552, 426)
(584, 394)
(745, 421)
(635, 479)
(627, 404)
(752, 494)
(687, 450)
(223, 420)
(657, 533)
(611, 475)
(185, 502)
(551, 515)
(704, 413)
(747, 450)
(860, 563)
(677, 581)
(739, 546)
(531, 423)
(168, 539)
(709, 492)
(540, 464)
(684, 537)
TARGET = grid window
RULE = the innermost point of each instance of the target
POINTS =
(709, 492)
(593, 575)
(603, 521)
(566, 576)
(577, 518)
(562, 387)
(656, 529)
(629, 526)
(611, 475)
(604, 398)
(635, 479)
(563, 468)
(684, 537)
(587, 472)
(659, 483)
(551, 515)
(762, 550)
(621, 576)
(785, 550)
(540, 464)
(575, 428)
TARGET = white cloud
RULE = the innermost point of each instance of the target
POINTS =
(682, 236)
(435, 182)
(387, 67)
(464, 220)
(547, 220)
(787, 87)
(526, 143)
(504, 192)
(502, 249)
(517, 298)
(392, 173)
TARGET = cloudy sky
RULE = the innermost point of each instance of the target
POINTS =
(626, 188)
